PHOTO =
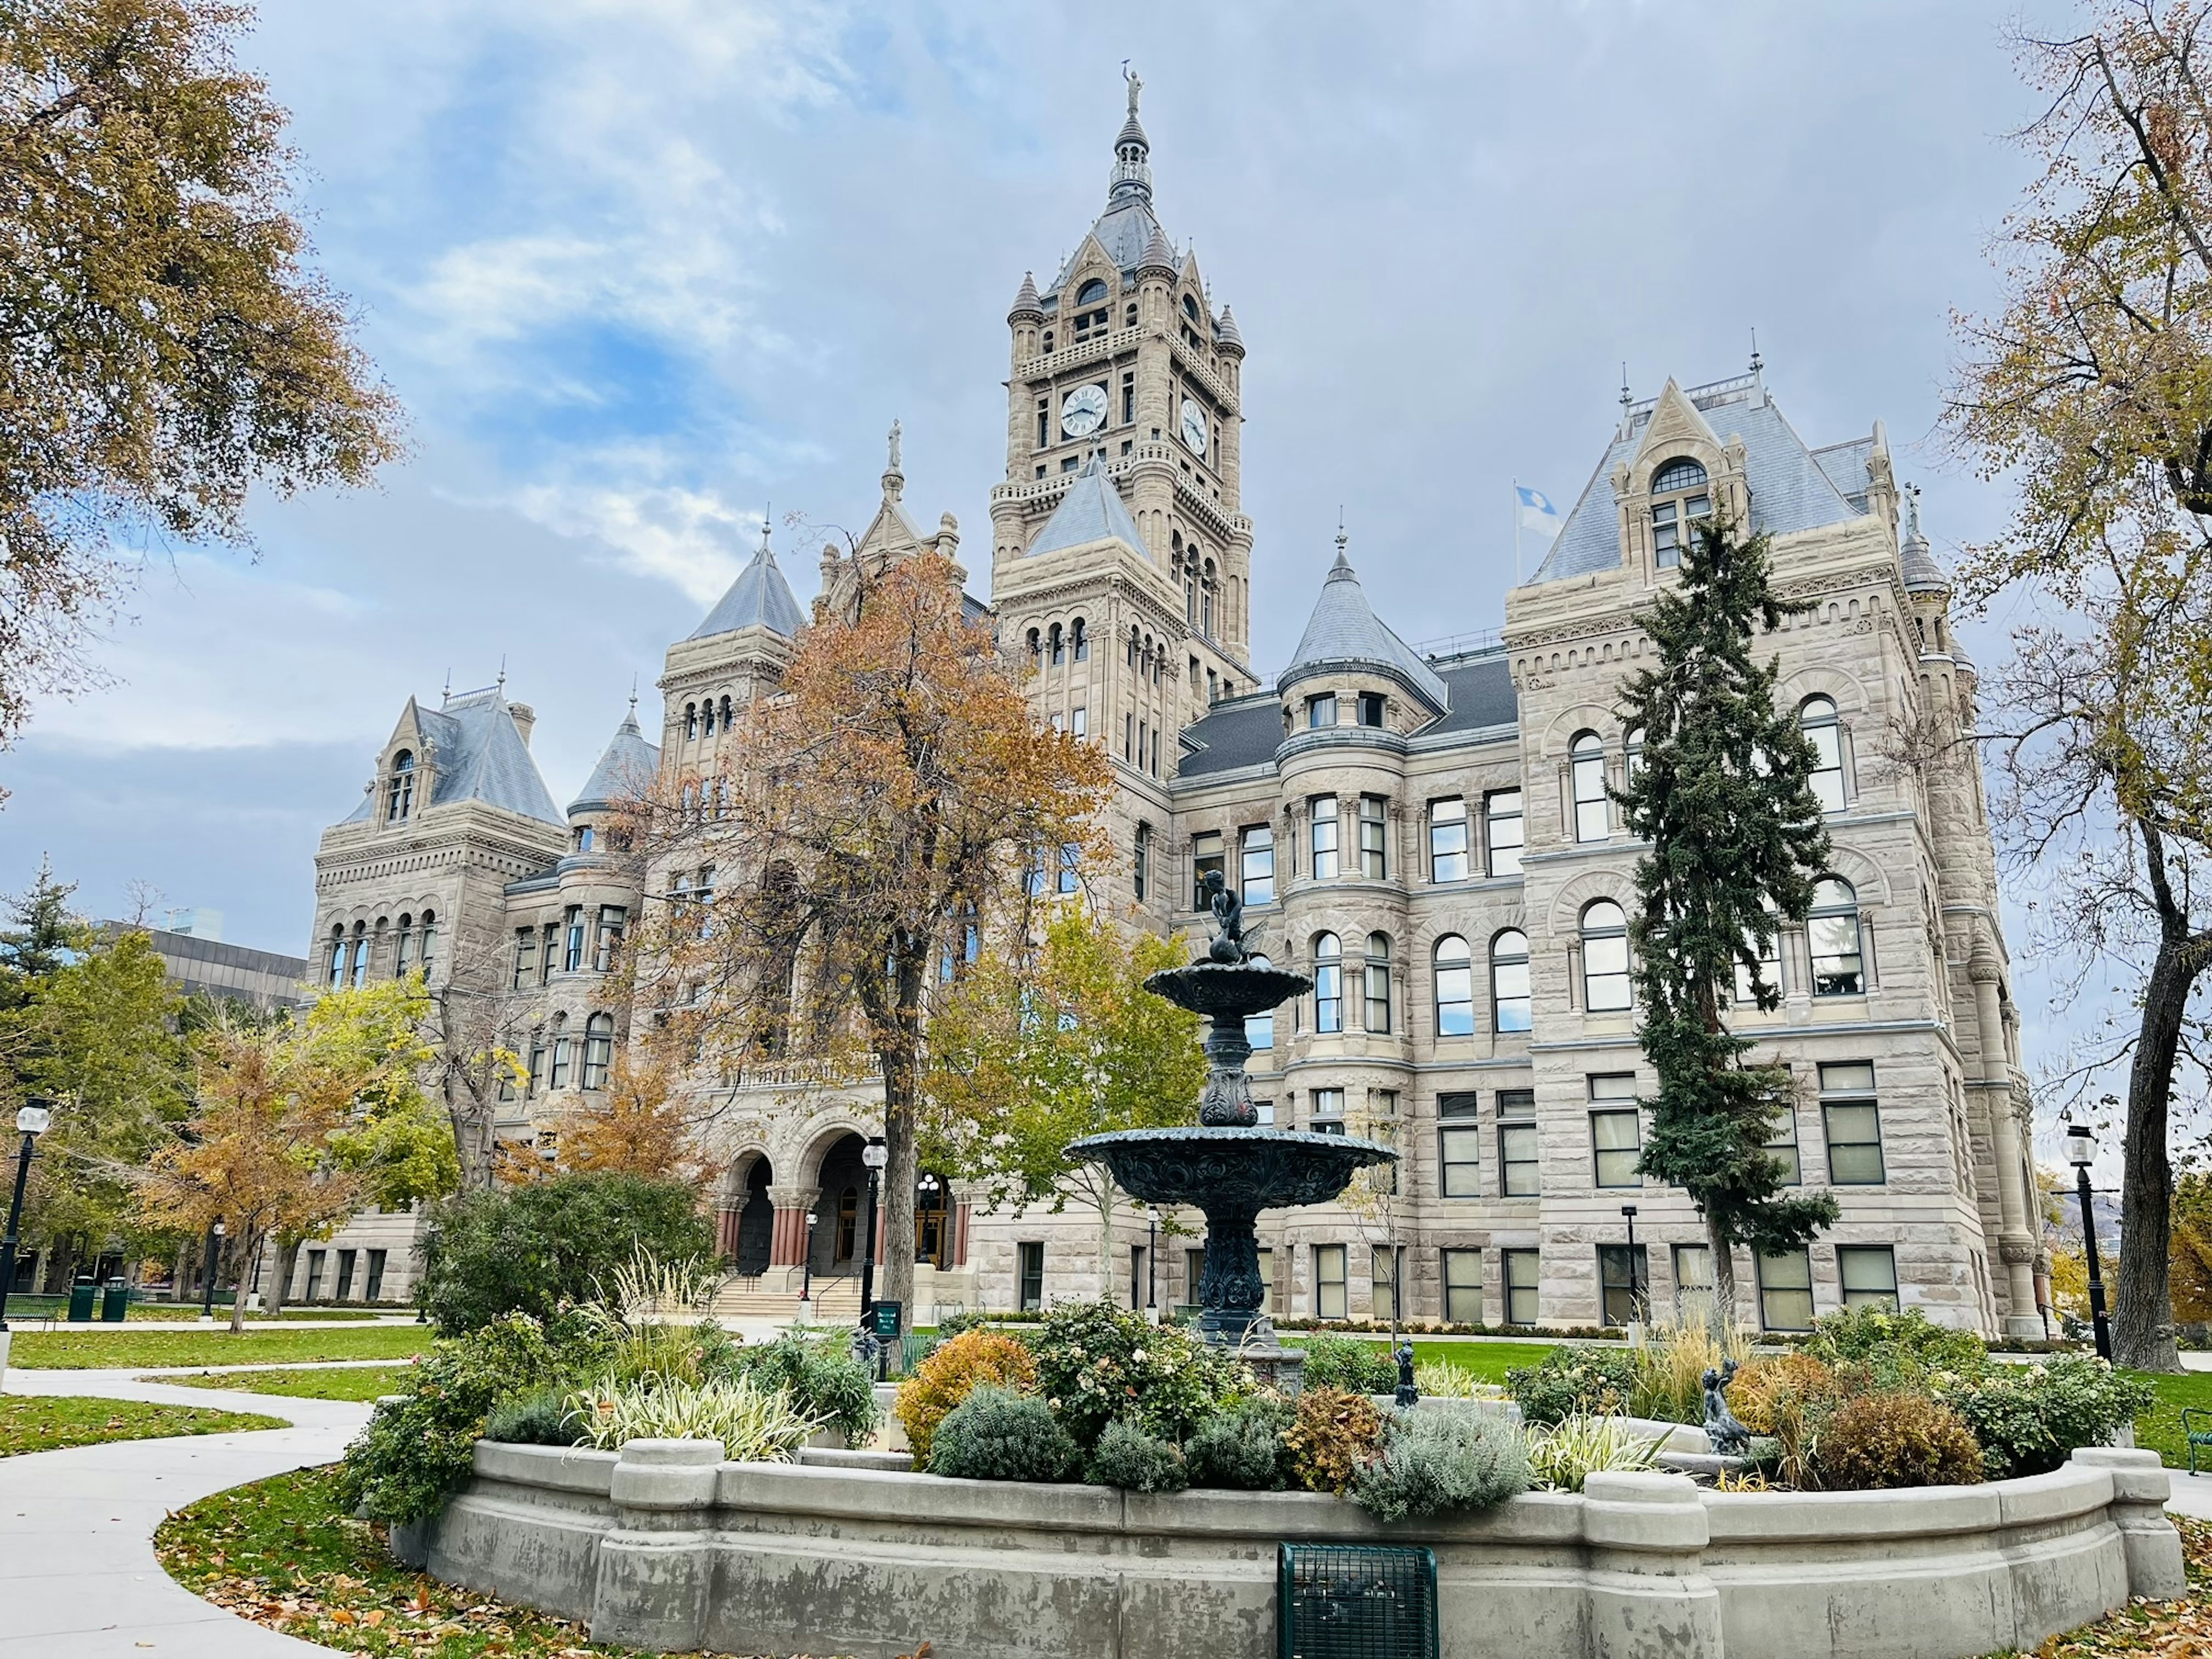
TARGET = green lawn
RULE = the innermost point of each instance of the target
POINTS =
(283, 1554)
(348, 1382)
(145, 1349)
(1489, 1361)
(37, 1423)
(2160, 1430)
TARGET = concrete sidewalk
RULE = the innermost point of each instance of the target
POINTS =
(78, 1579)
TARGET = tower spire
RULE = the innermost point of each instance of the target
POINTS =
(894, 474)
(1132, 174)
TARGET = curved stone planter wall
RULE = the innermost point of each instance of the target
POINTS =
(662, 1546)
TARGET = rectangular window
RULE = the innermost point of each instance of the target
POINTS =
(1502, 817)
(1128, 399)
(1079, 721)
(1322, 809)
(560, 1062)
(599, 1052)
(1129, 737)
(1329, 1299)
(1070, 868)
(314, 1275)
(346, 1260)
(614, 920)
(1141, 868)
(1256, 859)
(1448, 839)
(525, 956)
(1624, 1284)
(1383, 1278)
(1382, 1125)
(1193, 1275)
(1374, 859)
(1321, 711)
(1616, 1131)
(1666, 535)
(536, 1065)
(1327, 1112)
(1259, 1030)
(1205, 855)
(1784, 1148)
(1693, 1283)
(1044, 424)
(1870, 1275)
(1785, 1290)
(1371, 708)
(550, 953)
(1459, 1147)
(1518, 1175)
(1854, 1125)
(1032, 1276)
(1265, 1109)
(1522, 1271)
(373, 1290)
(572, 959)
(1462, 1277)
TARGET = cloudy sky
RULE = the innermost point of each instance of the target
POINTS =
(640, 268)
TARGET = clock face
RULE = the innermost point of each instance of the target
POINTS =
(1193, 426)
(1082, 411)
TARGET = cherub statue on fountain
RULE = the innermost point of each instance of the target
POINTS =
(1729, 1437)
(1230, 946)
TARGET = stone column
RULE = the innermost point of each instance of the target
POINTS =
(2016, 1242)
(1648, 1590)
(656, 1568)
(787, 1241)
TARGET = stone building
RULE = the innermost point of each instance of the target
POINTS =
(1427, 835)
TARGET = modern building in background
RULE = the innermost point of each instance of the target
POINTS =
(200, 963)
(1427, 834)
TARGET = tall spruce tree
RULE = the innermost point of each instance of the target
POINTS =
(1736, 839)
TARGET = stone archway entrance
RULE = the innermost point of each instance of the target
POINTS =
(755, 1222)
(840, 1205)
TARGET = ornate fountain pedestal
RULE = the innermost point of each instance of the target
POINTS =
(1228, 1167)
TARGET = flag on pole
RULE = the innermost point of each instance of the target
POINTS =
(1537, 513)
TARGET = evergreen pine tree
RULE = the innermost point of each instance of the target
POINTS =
(1723, 798)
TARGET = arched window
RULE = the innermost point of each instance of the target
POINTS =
(1510, 1008)
(1133, 647)
(598, 1049)
(399, 953)
(1091, 292)
(337, 958)
(1816, 716)
(725, 714)
(1586, 766)
(1190, 592)
(1684, 481)
(1455, 987)
(359, 975)
(707, 718)
(427, 954)
(1190, 307)
(1378, 981)
(1206, 601)
(1079, 637)
(1059, 647)
(1328, 983)
(1605, 957)
(690, 721)
(1832, 939)
(399, 798)
(1632, 749)
(1037, 646)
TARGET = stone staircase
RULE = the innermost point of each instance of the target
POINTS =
(774, 1295)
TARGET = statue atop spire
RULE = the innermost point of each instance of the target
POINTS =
(894, 476)
(895, 444)
(1132, 174)
(1136, 86)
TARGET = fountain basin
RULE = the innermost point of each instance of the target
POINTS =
(1227, 990)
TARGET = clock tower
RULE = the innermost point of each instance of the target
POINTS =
(1117, 532)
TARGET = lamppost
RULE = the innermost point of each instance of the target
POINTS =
(876, 1154)
(1635, 1298)
(2081, 1152)
(213, 1254)
(806, 1286)
(31, 1120)
(1151, 1265)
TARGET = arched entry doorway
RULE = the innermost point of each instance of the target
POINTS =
(755, 1222)
(840, 1223)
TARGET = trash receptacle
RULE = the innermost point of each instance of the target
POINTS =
(115, 1302)
(81, 1295)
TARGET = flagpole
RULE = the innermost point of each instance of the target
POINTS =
(1516, 532)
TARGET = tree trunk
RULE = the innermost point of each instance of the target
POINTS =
(288, 1258)
(1724, 1305)
(248, 1248)
(1106, 1286)
(2143, 1321)
(900, 1175)
(472, 1136)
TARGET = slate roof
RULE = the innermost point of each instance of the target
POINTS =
(480, 756)
(1481, 691)
(759, 598)
(1091, 511)
(1232, 735)
(1344, 630)
(623, 771)
(1790, 490)
(1845, 465)
(1125, 230)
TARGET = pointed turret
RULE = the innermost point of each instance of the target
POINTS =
(626, 767)
(1027, 305)
(1345, 633)
(1091, 511)
(759, 598)
(1159, 255)
(1231, 341)
(1133, 175)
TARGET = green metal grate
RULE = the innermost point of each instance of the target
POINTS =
(1355, 1601)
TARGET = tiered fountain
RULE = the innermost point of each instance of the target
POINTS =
(1229, 1166)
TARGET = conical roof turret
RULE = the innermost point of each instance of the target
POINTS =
(1159, 255)
(759, 598)
(1922, 574)
(1027, 303)
(1230, 339)
(1343, 632)
(625, 769)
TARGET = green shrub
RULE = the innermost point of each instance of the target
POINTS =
(821, 1378)
(1901, 1344)
(974, 1319)
(1098, 1362)
(1437, 1458)
(533, 1250)
(538, 1419)
(1242, 1448)
(754, 1424)
(416, 1450)
(1129, 1458)
(995, 1434)
(1895, 1438)
(2029, 1418)
(1570, 1382)
(950, 1375)
(1564, 1455)
(1332, 1439)
(1346, 1362)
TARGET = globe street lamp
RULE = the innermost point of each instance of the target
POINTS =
(31, 1121)
(214, 1254)
(876, 1154)
(2081, 1152)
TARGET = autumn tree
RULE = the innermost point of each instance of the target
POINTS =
(1725, 799)
(164, 345)
(2091, 389)
(1037, 1045)
(896, 791)
(639, 1125)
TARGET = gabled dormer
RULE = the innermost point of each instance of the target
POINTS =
(1681, 475)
